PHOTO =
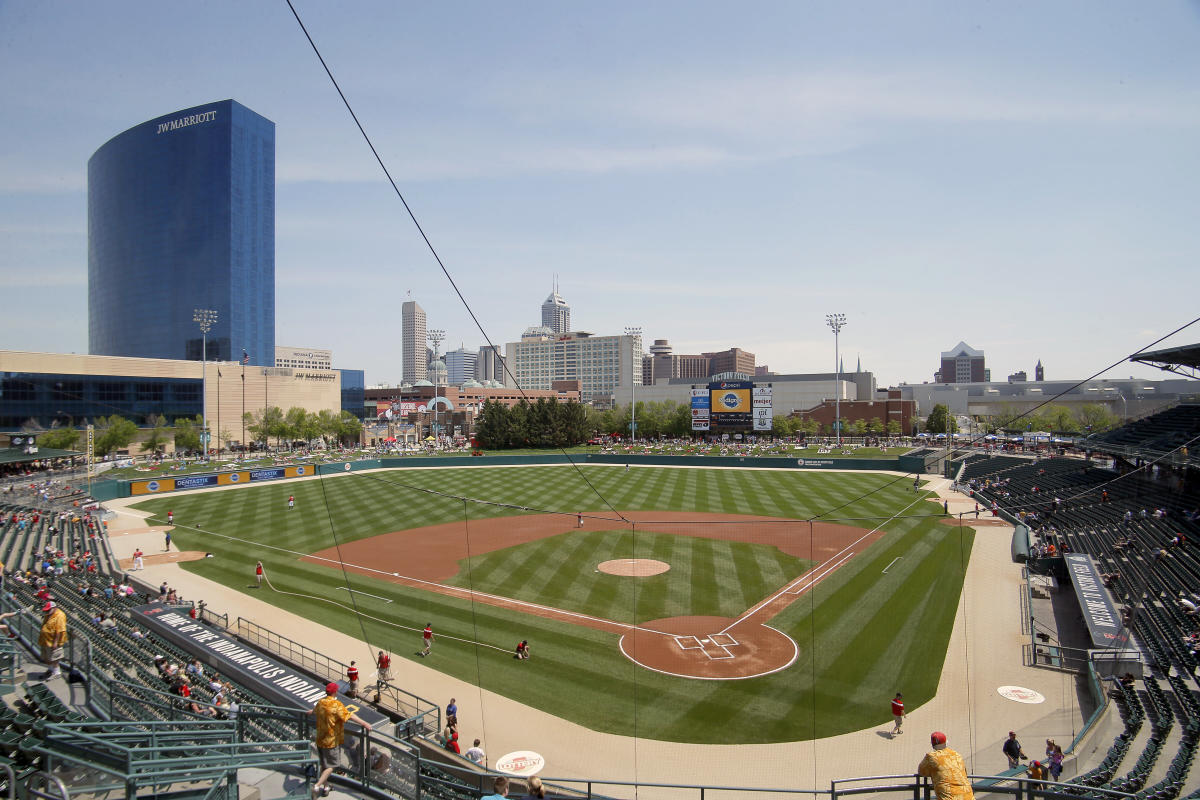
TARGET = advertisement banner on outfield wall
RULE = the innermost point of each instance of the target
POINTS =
(182, 483)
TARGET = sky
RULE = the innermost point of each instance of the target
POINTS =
(1021, 176)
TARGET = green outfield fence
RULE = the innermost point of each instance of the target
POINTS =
(110, 490)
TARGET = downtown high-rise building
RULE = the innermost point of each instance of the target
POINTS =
(414, 353)
(181, 216)
(460, 366)
(556, 314)
(489, 364)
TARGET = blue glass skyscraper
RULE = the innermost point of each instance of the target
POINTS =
(181, 215)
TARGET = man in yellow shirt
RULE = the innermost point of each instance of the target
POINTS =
(946, 768)
(331, 723)
(53, 638)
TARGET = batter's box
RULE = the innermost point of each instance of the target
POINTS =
(688, 643)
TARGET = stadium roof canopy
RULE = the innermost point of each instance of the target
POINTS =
(17, 455)
(1183, 360)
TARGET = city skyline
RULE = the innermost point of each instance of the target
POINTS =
(938, 173)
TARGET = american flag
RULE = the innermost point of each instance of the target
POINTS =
(245, 357)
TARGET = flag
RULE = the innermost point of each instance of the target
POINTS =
(245, 358)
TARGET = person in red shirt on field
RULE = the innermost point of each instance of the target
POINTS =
(352, 679)
(898, 713)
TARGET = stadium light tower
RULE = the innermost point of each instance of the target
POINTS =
(435, 337)
(836, 322)
(635, 331)
(205, 318)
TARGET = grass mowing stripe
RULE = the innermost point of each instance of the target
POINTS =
(596, 680)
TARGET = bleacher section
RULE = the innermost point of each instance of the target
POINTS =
(1159, 432)
(1129, 524)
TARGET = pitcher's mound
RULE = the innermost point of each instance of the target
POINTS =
(634, 567)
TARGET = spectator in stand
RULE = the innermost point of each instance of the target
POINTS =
(1036, 773)
(452, 712)
(52, 638)
(452, 742)
(945, 767)
(535, 788)
(1012, 750)
(475, 753)
(384, 665)
(499, 789)
(331, 722)
(1188, 607)
(1054, 761)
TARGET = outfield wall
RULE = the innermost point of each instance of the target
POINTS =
(166, 485)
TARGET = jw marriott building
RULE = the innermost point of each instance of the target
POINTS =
(181, 216)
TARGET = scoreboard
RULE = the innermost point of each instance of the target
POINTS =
(732, 405)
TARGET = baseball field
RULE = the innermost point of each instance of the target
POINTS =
(691, 605)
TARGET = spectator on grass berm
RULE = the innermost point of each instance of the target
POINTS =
(945, 767)
(331, 723)
(1012, 750)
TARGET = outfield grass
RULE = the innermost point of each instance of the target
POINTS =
(863, 635)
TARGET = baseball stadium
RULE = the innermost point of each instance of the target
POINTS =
(623, 625)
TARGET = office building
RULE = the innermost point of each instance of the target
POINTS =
(489, 365)
(181, 216)
(598, 363)
(303, 357)
(556, 314)
(460, 366)
(414, 353)
(961, 364)
(734, 359)
(70, 389)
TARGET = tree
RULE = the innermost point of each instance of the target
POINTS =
(187, 433)
(1093, 418)
(59, 438)
(875, 425)
(940, 420)
(781, 426)
(158, 436)
(265, 423)
(894, 428)
(114, 433)
(349, 428)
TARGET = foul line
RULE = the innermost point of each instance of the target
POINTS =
(785, 590)
(889, 566)
(367, 594)
(455, 590)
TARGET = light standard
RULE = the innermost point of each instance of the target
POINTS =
(636, 332)
(205, 318)
(435, 337)
(836, 322)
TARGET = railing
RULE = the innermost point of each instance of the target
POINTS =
(420, 715)
(10, 663)
(918, 787)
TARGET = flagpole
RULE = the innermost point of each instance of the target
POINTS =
(218, 411)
